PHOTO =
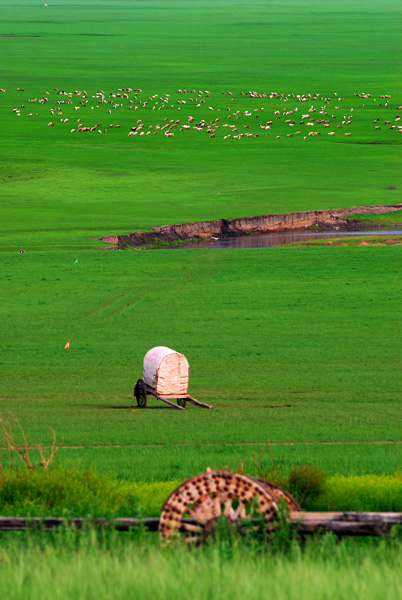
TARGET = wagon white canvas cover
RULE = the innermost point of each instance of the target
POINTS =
(166, 372)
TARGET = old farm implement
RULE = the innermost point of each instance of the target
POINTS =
(165, 375)
(194, 509)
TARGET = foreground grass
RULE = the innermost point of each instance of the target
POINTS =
(85, 569)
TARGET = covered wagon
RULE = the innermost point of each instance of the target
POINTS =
(165, 375)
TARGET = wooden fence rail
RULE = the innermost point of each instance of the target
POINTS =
(346, 523)
(339, 523)
(47, 523)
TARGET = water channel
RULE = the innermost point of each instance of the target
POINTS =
(266, 240)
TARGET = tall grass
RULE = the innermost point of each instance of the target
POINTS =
(367, 493)
(71, 492)
(91, 569)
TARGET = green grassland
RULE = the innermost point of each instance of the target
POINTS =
(297, 348)
(294, 345)
(61, 189)
(81, 567)
(387, 219)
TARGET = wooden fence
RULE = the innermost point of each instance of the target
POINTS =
(339, 523)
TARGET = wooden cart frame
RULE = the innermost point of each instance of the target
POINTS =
(141, 391)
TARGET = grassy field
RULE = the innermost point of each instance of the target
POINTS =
(385, 220)
(296, 346)
(61, 189)
(80, 567)
(286, 349)
(299, 346)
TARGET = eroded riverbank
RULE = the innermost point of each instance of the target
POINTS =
(222, 229)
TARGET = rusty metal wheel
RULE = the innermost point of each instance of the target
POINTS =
(280, 494)
(182, 402)
(140, 393)
(195, 507)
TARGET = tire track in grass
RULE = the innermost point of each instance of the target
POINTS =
(101, 307)
(164, 288)
(153, 290)
(212, 444)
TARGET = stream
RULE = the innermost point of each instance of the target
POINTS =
(266, 240)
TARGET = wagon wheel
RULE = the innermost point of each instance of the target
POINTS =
(280, 494)
(140, 393)
(209, 496)
(182, 402)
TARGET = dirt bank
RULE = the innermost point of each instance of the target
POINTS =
(327, 219)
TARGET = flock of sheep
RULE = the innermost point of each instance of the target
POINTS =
(305, 115)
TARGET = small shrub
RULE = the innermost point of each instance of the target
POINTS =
(23, 450)
(306, 484)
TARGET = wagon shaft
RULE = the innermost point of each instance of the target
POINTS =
(198, 403)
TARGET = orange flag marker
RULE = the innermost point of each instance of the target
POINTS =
(67, 346)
